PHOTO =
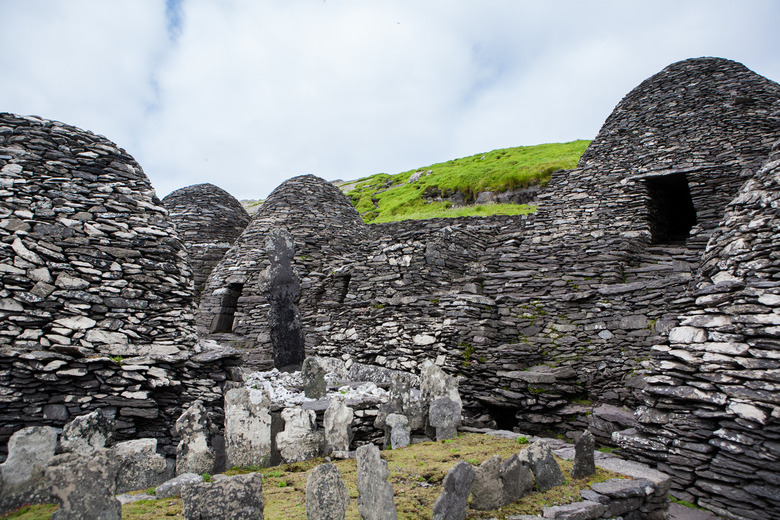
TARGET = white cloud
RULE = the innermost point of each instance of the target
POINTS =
(246, 94)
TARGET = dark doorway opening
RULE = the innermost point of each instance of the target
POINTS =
(223, 321)
(672, 213)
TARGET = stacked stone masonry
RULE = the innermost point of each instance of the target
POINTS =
(96, 298)
(541, 316)
(208, 220)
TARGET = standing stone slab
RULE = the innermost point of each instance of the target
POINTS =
(516, 480)
(300, 439)
(327, 497)
(444, 416)
(397, 432)
(140, 466)
(451, 504)
(584, 461)
(486, 490)
(86, 433)
(313, 375)
(543, 465)
(338, 426)
(85, 486)
(247, 427)
(194, 454)
(283, 290)
(237, 498)
(22, 477)
(375, 493)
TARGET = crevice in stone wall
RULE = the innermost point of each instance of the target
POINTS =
(223, 321)
(671, 210)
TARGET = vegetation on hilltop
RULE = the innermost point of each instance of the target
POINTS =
(385, 198)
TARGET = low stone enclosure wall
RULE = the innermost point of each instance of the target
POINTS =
(91, 468)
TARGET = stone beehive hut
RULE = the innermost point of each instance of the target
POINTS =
(672, 154)
(96, 301)
(208, 220)
(712, 405)
(326, 231)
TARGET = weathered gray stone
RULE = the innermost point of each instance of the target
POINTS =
(22, 476)
(486, 490)
(283, 290)
(444, 416)
(247, 427)
(139, 465)
(313, 376)
(584, 510)
(338, 426)
(237, 498)
(194, 454)
(85, 485)
(174, 486)
(375, 493)
(584, 462)
(517, 480)
(397, 431)
(87, 433)
(624, 488)
(327, 497)
(540, 460)
(300, 439)
(451, 504)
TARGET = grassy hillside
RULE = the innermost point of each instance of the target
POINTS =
(384, 198)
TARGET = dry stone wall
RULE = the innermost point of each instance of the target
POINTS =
(96, 301)
(208, 220)
(544, 317)
(711, 414)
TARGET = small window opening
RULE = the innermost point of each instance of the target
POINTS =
(671, 211)
(223, 321)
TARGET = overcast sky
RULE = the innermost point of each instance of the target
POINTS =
(247, 93)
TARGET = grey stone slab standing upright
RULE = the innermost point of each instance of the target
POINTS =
(517, 480)
(300, 439)
(542, 463)
(327, 497)
(337, 423)
(451, 504)
(87, 432)
(486, 490)
(140, 466)
(584, 461)
(397, 431)
(444, 416)
(194, 453)
(234, 498)
(375, 493)
(85, 486)
(313, 375)
(247, 427)
(22, 477)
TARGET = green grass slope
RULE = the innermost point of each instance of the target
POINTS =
(385, 198)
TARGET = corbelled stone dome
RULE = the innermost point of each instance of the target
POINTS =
(209, 220)
(96, 298)
(90, 262)
(327, 233)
